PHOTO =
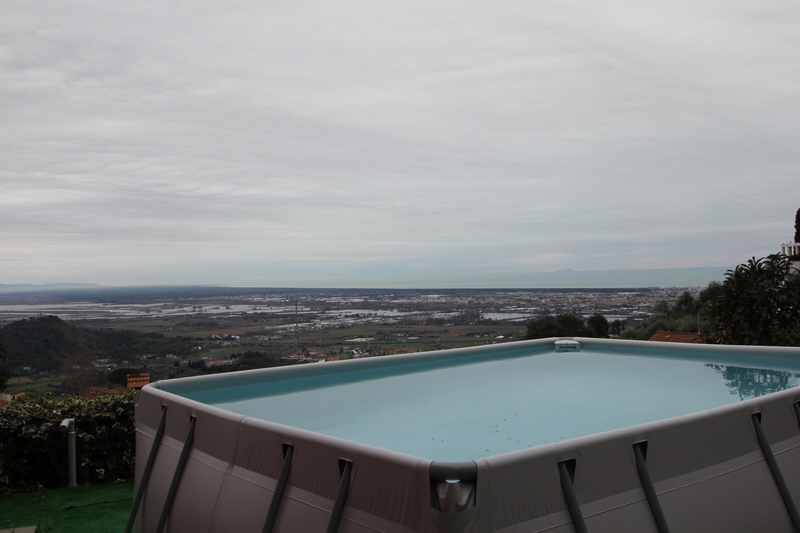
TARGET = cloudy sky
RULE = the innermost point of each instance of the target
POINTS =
(370, 143)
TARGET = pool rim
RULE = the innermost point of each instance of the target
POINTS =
(467, 470)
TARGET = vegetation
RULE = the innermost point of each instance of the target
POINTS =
(3, 371)
(797, 226)
(759, 303)
(248, 360)
(48, 344)
(33, 452)
(597, 325)
(796, 257)
(687, 314)
(119, 376)
(567, 325)
(84, 509)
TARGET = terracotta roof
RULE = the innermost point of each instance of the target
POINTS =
(676, 336)
(137, 381)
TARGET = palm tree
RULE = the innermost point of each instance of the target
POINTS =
(759, 303)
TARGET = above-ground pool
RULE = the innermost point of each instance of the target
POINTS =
(546, 435)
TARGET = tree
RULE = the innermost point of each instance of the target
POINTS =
(759, 303)
(119, 376)
(661, 308)
(796, 257)
(689, 313)
(565, 325)
(4, 374)
(80, 372)
(685, 303)
(710, 294)
(797, 226)
(598, 325)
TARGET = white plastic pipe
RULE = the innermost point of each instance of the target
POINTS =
(68, 426)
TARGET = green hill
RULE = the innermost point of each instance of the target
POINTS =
(43, 344)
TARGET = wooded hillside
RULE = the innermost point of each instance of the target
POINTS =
(43, 344)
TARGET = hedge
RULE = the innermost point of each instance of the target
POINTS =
(33, 452)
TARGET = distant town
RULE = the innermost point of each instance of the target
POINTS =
(319, 309)
(214, 329)
(323, 308)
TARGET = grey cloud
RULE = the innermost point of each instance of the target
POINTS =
(248, 139)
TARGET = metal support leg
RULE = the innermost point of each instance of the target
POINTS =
(280, 487)
(345, 467)
(567, 471)
(176, 478)
(766, 449)
(148, 469)
(639, 450)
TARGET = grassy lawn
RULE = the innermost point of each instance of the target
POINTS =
(90, 509)
(29, 385)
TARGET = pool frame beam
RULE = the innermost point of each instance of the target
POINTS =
(506, 478)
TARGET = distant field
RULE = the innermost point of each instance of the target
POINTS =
(29, 385)
(344, 323)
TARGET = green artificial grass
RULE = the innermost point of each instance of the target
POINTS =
(90, 509)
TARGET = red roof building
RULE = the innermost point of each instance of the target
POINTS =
(676, 336)
(137, 381)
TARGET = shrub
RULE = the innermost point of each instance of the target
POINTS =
(565, 325)
(33, 452)
(759, 303)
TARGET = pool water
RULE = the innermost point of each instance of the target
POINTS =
(485, 407)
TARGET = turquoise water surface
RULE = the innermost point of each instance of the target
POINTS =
(460, 412)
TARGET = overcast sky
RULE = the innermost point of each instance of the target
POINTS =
(369, 143)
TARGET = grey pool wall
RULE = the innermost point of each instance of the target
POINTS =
(707, 471)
